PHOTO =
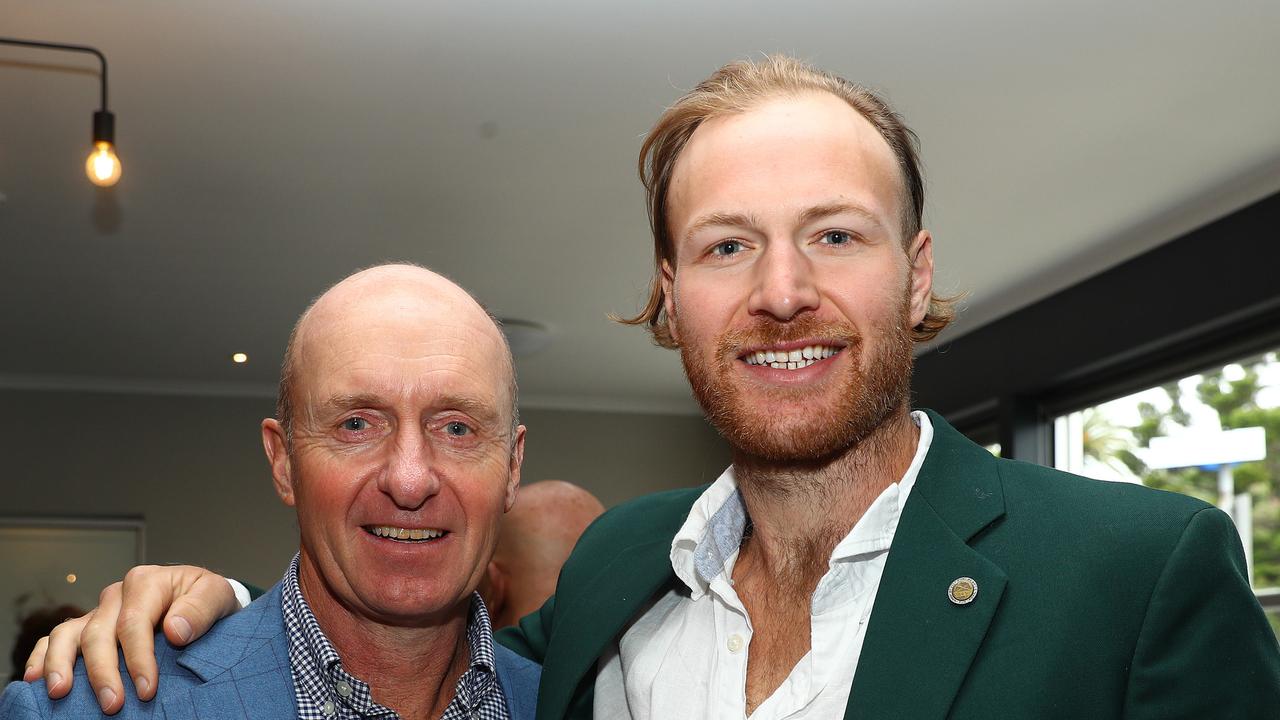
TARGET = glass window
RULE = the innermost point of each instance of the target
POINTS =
(1215, 436)
(986, 434)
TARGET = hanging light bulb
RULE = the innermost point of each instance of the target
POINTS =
(103, 167)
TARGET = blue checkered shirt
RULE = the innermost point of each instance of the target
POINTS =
(326, 691)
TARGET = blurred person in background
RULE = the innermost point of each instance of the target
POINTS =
(535, 539)
(34, 626)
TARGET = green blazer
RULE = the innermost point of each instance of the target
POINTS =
(1095, 600)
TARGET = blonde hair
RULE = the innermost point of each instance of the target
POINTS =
(737, 88)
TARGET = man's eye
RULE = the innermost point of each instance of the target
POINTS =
(355, 424)
(457, 429)
(837, 237)
(728, 247)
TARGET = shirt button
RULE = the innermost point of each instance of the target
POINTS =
(343, 688)
(736, 643)
(327, 708)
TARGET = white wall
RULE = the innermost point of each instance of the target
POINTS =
(618, 456)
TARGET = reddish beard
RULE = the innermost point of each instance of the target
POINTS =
(833, 415)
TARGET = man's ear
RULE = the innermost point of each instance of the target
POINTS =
(667, 277)
(517, 461)
(277, 448)
(920, 258)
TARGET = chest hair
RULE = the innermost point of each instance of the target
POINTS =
(780, 622)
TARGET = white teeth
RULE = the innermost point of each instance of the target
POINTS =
(790, 360)
(398, 533)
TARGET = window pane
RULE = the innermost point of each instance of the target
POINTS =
(1215, 436)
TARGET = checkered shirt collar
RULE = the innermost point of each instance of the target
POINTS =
(326, 691)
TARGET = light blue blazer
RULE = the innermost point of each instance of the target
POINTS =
(239, 669)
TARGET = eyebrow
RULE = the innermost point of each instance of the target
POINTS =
(818, 212)
(719, 219)
(838, 208)
(471, 406)
(477, 409)
(341, 403)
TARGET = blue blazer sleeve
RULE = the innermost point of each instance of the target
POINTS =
(20, 701)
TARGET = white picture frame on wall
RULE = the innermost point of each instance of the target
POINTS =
(55, 561)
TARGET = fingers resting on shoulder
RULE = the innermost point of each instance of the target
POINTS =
(188, 599)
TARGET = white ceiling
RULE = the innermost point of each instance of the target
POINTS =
(271, 147)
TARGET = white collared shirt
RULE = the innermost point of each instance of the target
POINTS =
(686, 656)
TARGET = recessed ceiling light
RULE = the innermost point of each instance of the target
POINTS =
(71, 578)
(239, 358)
(526, 337)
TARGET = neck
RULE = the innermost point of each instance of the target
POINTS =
(412, 670)
(800, 511)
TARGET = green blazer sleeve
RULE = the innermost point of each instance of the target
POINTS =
(1204, 649)
(529, 637)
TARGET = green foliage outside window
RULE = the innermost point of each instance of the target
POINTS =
(1235, 402)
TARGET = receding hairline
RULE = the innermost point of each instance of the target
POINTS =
(902, 192)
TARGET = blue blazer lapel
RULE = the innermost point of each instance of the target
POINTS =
(243, 663)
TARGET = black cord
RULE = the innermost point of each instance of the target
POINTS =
(70, 48)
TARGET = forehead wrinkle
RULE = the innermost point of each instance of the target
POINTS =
(452, 381)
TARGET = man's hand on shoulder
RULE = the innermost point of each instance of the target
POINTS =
(128, 613)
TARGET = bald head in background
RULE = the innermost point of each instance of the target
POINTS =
(534, 541)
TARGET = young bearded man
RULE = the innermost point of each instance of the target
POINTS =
(858, 559)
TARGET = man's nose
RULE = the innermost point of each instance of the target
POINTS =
(784, 283)
(410, 478)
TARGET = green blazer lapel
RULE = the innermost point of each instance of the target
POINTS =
(588, 621)
(920, 642)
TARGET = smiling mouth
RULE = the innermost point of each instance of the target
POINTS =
(405, 535)
(791, 359)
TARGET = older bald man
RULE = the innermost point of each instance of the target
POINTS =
(396, 440)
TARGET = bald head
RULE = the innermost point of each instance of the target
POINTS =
(400, 299)
(534, 541)
(546, 523)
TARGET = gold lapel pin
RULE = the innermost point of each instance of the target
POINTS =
(962, 590)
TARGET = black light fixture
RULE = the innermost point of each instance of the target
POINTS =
(102, 166)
